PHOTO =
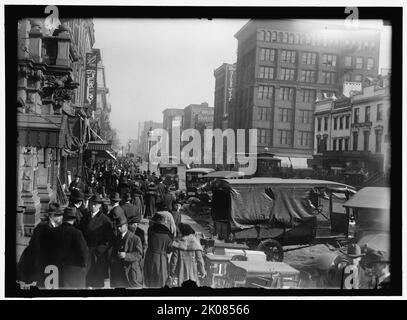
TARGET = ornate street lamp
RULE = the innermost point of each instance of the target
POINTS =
(149, 134)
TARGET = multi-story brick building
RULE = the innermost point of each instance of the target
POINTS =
(283, 66)
(204, 113)
(224, 86)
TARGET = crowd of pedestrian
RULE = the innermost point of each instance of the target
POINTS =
(97, 239)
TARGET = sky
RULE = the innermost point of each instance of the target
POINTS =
(154, 64)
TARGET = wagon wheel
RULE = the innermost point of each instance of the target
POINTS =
(272, 249)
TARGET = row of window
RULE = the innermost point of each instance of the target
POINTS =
(310, 58)
(379, 113)
(366, 137)
(286, 94)
(288, 74)
(315, 40)
(339, 123)
(285, 114)
(304, 138)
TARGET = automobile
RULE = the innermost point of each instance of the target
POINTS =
(195, 178)
(269, 213)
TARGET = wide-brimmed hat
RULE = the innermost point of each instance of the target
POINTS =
(376, 256)
(134, 219)
(115, 196)
(119, 221)
(97, 198)
(77, 195)
(353, 251)
(70, 213)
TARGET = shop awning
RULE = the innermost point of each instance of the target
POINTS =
(296, 163)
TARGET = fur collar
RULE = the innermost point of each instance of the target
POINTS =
(187, 243)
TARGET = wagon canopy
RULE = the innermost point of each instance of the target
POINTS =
(282, 203)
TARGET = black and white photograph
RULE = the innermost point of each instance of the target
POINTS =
(155, 150)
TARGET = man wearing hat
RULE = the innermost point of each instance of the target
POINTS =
(98, 232)
(36, 256)
(126, 258)
(77, 184)
(133, 223)
(69, 252)
(128, 208)
(353, 275)
(76, 200)
(379, 262)
(116, 212)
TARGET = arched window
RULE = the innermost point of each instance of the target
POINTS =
(262, 35)
(285, 37)
(291, 38)
(274, 36)
(268, 36)
(280, 36)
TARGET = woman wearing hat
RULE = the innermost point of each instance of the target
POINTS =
(159, 246)
(186, 260)
(151, 200)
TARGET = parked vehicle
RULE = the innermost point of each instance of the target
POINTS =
(195, 178)
(268, 213)
(173, 175)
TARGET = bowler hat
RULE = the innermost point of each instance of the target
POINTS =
(354, 251)
(376, 256)
(134, 219)
(70, 213)
(119, 221)
(76, 195)
(97, 197)
(115, 196)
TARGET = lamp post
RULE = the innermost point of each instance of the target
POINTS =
(149, 133)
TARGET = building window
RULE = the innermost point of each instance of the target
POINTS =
(286, 94)
(341, 123)
(379, 135)
(308, 39)
(329, 60)
(262, 35)
(274, 36)
(367, 114)
(348, 61)
(268, 36)
(328, 77)
(347, 77)
(304, 138)
(366, 135)
(265, 92)
(285, 115)
(297, 38)
(291, 38)
(266, 73)
(267, 54)
(264, 136)
(346, 144)
(307, 95)
(326, 123)
(358, 77)
(340, 144)
(288, 56)
(319, 124)
(305, 116)
(285, 37)
(307, 76)
(334, 144)
(284, 136)
(356, 115)
(309, 58)
(379, 115)
(287, 74)
(347, 122)
(355, 141)
(335, 123)
(359, 63)
(264, 113)
(370, 63)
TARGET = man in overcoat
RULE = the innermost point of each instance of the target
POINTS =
(70, 252)
(98, 232)
(126, 258)
(128, 208)
(116, 212)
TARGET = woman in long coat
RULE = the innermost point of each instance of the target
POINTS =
(151, 200)
(186, 260)
(159, 246)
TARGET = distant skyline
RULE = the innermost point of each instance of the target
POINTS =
(154, 64)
